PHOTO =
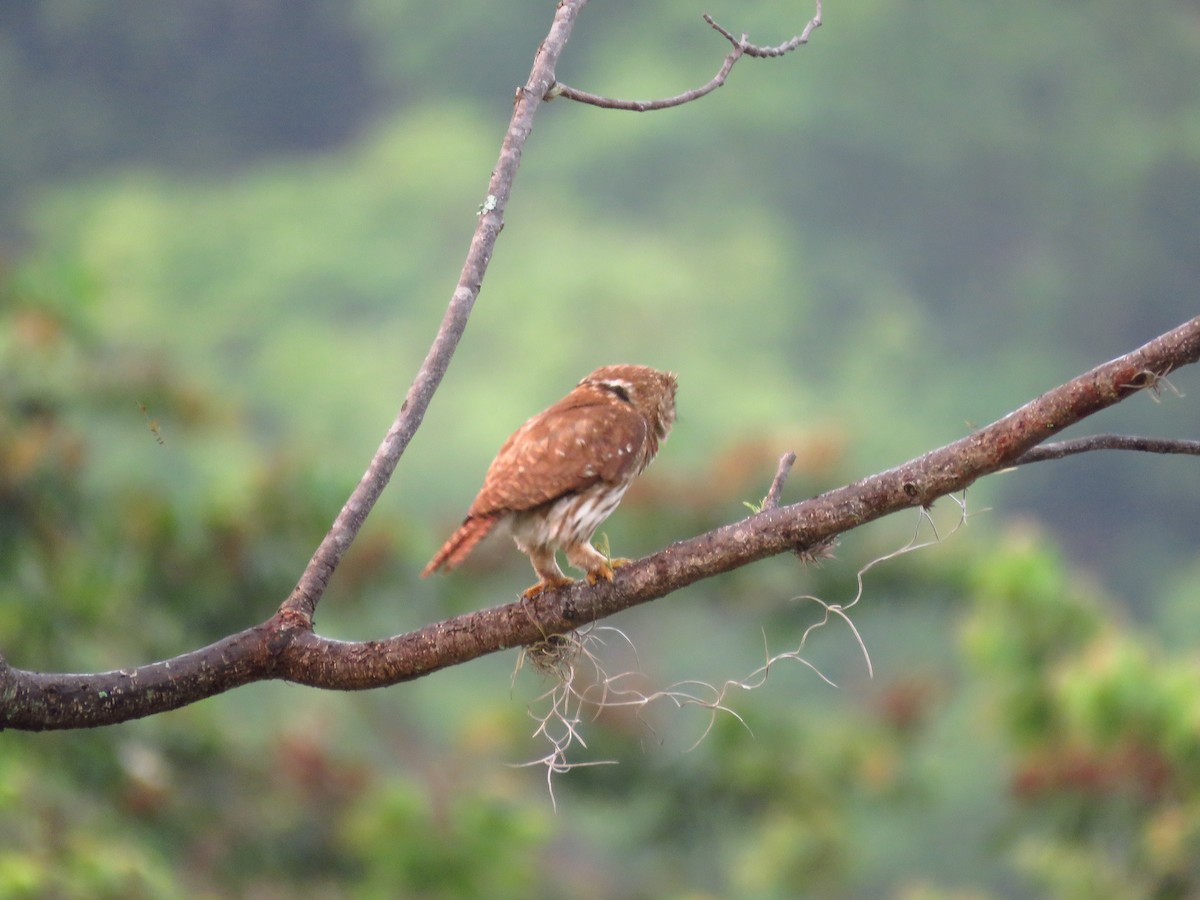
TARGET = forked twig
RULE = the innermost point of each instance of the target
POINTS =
(741, 47)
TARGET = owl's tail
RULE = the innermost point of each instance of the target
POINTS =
(473, 530)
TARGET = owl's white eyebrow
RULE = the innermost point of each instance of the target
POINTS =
(620, 388)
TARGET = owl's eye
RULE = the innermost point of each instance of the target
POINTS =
(617, 388)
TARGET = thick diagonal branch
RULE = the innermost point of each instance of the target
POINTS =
(286, 648)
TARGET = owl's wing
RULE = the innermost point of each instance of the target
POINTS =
(567, 448)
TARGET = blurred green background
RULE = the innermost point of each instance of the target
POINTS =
(228, 232)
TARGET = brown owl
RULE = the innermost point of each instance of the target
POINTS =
(564, 471)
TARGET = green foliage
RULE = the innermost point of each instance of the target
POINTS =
(57, 841)
(1028, 616)
(1106, 731)
(438, 852)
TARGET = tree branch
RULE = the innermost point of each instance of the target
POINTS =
(741, 47)
(315, 579)
(285, 647)
(1061, 449)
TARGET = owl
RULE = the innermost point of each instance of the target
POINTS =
(564, 471)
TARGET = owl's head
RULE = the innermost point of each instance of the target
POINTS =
(649, 391)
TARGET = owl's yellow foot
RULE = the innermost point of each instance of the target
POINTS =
(547, 584)
(605, 569)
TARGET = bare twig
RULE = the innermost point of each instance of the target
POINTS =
(785, 466)
(761, 52)
(740, 47)
(281, 648)
(1061, 449)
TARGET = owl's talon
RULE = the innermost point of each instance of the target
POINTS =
(594, 576)
(546, 584)
(605, 569)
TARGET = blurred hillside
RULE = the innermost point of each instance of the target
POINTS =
(227, 235)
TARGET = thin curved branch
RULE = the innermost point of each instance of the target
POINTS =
(315, 579)
(285, 647)
(740, 47)
(1061, 449)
